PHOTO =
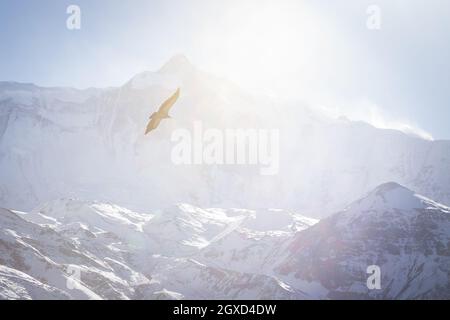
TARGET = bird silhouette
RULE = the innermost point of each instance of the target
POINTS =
(162, 113)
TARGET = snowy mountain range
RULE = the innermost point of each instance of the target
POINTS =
(93, 209)
(126, 255)
(185, 252)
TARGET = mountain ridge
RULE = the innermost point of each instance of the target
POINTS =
(409, 243)
(94, 140)
(227, 253)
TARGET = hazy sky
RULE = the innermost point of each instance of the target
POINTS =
(317, 50)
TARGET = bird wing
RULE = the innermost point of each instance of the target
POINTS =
(156, 117)
(152, 124)
(165, 107)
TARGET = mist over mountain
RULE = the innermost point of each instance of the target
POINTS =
(89, 144)
(84, 192)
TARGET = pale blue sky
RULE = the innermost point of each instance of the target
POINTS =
(314, 49)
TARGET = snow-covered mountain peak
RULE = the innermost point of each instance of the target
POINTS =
(393, 228)
(149, 79)
(389, 206)
(390, 195)
(171, 76)
(389, 186)
(177, 64)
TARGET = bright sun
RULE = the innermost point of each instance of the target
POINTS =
(268, 44)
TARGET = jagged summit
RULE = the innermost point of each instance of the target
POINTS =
(406, 235)
(170, 75)
(390, 201)
(390, 186)
(177, 64)
(390, 195)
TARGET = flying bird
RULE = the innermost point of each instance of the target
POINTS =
(162, 113)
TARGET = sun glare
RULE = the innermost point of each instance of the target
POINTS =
(266, 46)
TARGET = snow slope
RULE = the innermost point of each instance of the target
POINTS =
(405, 234)
(186, 252)
(121, 254)
(16, 285)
